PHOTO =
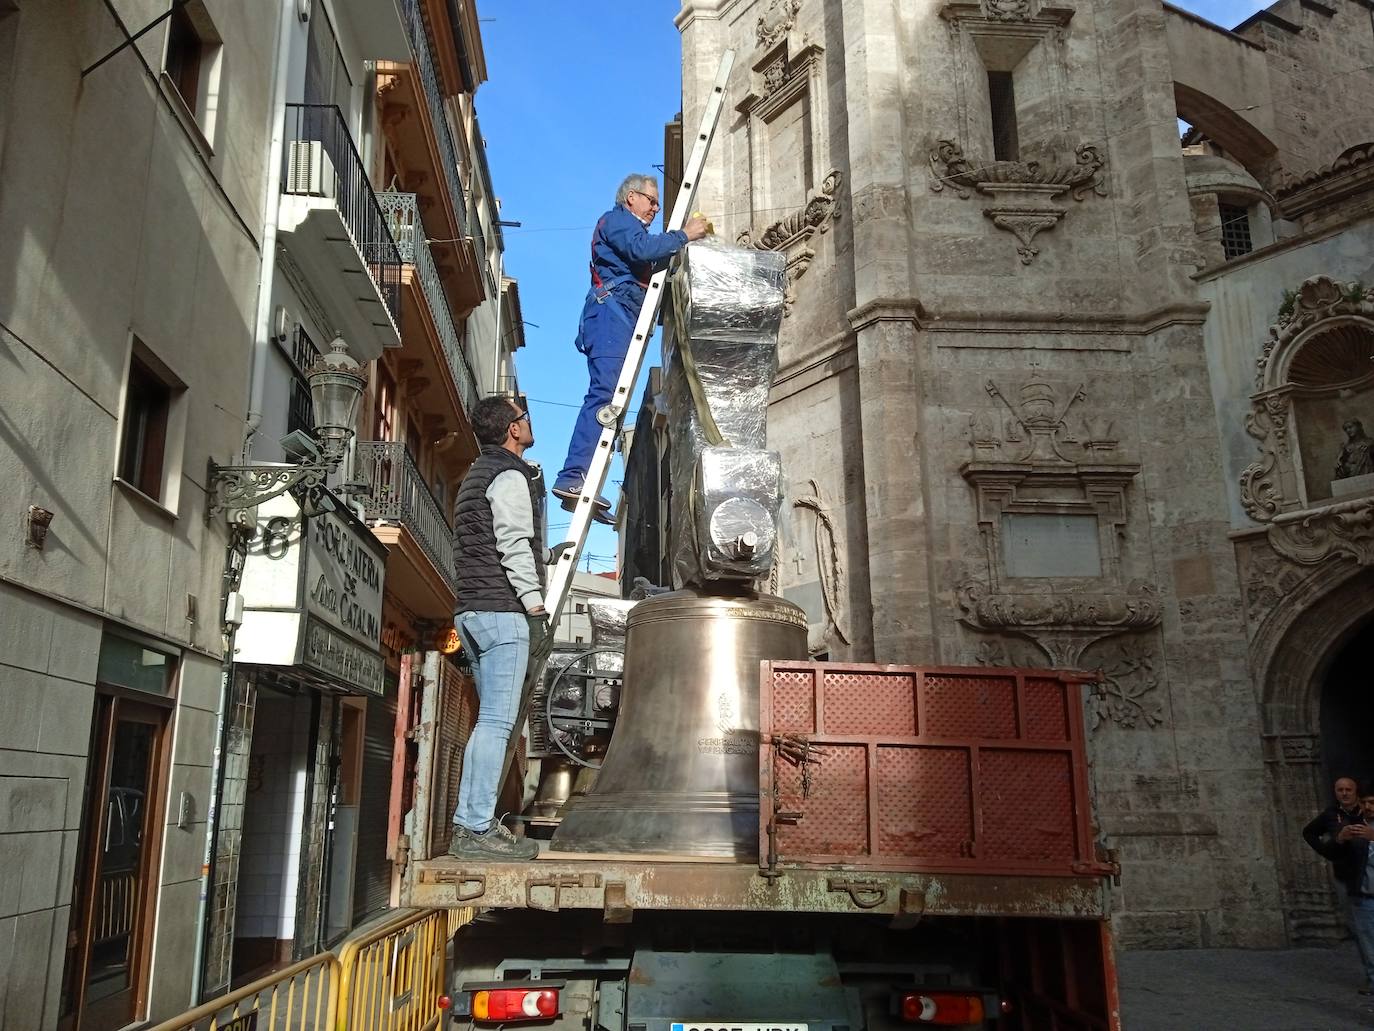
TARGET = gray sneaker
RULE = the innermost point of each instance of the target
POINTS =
(497, 844)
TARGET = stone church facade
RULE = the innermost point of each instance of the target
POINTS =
(1058, 388)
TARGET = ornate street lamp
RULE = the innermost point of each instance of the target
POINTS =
(336, 387)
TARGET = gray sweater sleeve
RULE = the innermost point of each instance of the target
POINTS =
(512, 521)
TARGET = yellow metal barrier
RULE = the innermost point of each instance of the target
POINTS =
(387, 979)
(301, 997)
(393, 976)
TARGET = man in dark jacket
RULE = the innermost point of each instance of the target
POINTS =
(500, 616)
(1323, 834)
(1355, 866)
(625, 255)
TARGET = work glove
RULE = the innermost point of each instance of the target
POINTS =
(541, 638)
(556, 551)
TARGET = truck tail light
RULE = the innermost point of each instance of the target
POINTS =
(507, 1004)
(947, 1009)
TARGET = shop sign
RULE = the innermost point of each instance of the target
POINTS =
(343, 578)
(329, 652)
(448, 641)
(312, 591)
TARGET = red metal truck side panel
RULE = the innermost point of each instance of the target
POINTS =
(925, 769)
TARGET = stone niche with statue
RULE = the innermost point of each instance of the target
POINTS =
(1312, 410)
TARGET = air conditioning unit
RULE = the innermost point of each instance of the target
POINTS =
(309, 171)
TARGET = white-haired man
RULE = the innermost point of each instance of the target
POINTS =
(624, 257)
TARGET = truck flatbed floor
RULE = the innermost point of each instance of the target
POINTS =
(620, 884)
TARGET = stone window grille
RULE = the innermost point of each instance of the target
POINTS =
(1235, 230)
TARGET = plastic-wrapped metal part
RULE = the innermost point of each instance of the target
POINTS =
(728, 304)
(608, 616)
(738, 493)
(729, 293)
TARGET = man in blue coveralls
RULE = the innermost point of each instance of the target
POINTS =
(624, 257)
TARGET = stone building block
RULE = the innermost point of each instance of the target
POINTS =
(28, 627)
(75, 650)
(1251, 928)
(1177, 929)
(57, 958)
(29, 804)
(139, 539)
(37, 784)
(199, 684)
(195, 737)
(175, 946)
(30, 866)
(173, 188)
(21, 710)
(67, 710)
(183, 852)
(21, 1006)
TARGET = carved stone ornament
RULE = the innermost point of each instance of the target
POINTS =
(829, 563)
(1007, 652)
(1316, 299)
(1064, 625)
(1024, 224)
(1126, 694)
(1021, 190)
(949, 166)
(1272, 490)
(776, 21)
(1036, 428)
(1007, 10)
(1266, 579)
(791, 235)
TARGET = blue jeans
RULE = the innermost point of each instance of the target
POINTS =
(604, 337)
(498, 646)
(1362, 923)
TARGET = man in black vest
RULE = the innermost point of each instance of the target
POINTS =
(500, 616)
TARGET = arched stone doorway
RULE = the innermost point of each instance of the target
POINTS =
(1347, 710)
(1307, 656)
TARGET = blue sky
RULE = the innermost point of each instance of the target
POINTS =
(573, 104)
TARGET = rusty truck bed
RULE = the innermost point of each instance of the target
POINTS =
(619, 886)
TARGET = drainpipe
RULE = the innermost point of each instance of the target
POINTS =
(256, 391)
(262, 330)
(496, 354)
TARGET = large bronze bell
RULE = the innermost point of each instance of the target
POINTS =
(681, 775)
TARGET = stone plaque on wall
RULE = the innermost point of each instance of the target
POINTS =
(1050, 544)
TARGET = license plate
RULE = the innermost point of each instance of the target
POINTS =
(720, 1025)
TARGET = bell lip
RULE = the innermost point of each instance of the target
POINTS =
(695, 602)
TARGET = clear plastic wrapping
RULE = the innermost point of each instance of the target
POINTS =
(729, 293)
(728, 304)
(608, 617)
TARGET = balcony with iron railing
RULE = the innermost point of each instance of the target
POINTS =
(403, 218)
(408, 518)
(333, 227)
(415, 119)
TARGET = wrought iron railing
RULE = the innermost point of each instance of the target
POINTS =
(403, 218)
(314, 133)
(434, 100)
(398, 493)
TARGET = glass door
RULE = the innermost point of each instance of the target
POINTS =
(110, 922)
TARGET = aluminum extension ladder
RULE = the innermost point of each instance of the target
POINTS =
(561, 575)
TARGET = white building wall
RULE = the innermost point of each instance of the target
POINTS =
(121, 219)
